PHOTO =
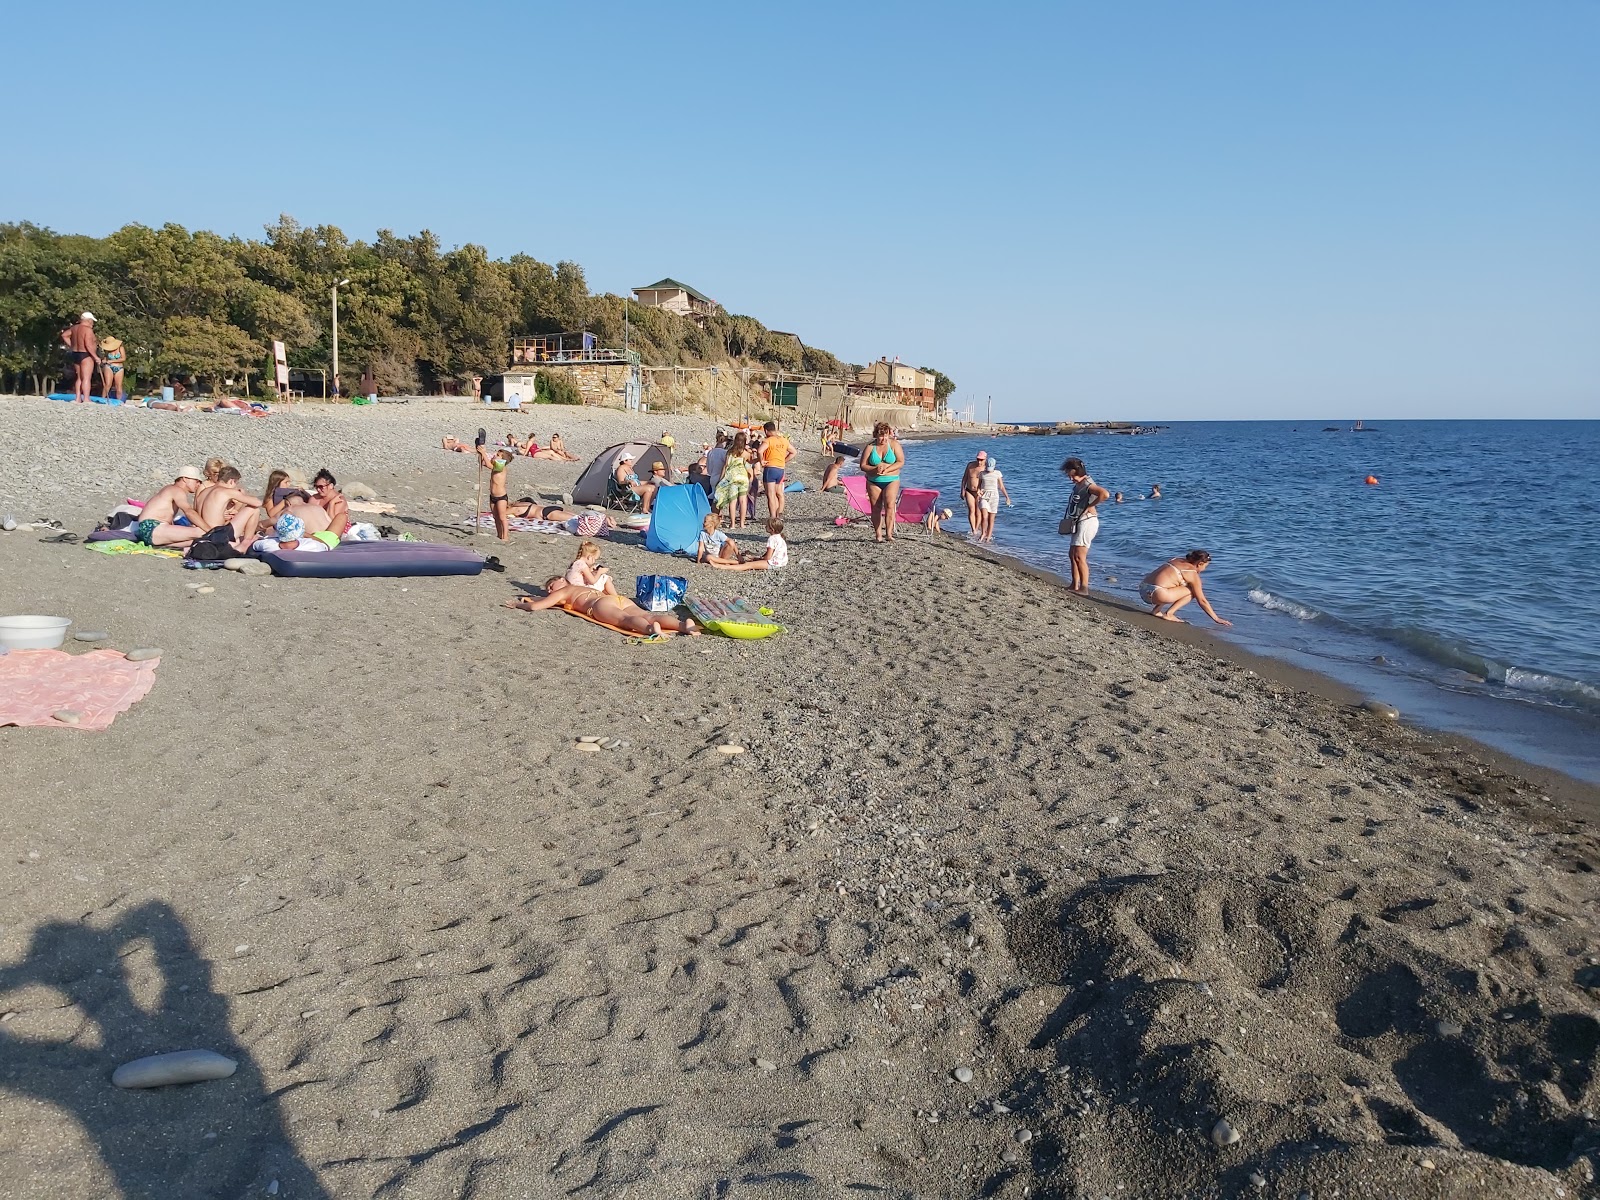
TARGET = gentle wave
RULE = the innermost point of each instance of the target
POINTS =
(1300, 612)
(1557, 688)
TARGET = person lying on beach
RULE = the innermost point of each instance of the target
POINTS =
(608, 609)
(714, 546)
(531, 509)
(774, 557)
(1176, 582)
(556, 451)
(289, 533)
(169, 518)
(585, 570)
(228, 402)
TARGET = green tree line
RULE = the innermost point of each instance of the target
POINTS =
(419, 318)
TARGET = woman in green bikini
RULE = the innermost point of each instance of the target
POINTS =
(881, 463)
(112, 355)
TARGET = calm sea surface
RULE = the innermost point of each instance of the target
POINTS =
(1464, 588)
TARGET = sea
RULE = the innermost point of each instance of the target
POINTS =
(1462, 587)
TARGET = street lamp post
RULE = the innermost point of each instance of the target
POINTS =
(335, 293)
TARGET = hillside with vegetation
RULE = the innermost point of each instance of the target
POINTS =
(420, 318)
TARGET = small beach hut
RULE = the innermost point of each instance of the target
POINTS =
(593, 482)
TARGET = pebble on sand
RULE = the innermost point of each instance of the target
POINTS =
(1379, 709)
(764, 1065)
(90, 635)
(143, 654)
(590, 737)
(587, 747)
(1024, 1136)
(246, 566)
(1448, 1029)
(67, 716)
(203, 589)
(181, 1066)
(730, 749)
(1224, 1134)
(963, 1074)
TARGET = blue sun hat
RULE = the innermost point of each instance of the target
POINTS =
(290, 528)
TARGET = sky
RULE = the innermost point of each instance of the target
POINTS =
(1149, 211)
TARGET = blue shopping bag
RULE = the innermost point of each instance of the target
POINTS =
(660, 593)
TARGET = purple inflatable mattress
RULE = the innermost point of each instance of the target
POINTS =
(365, 560)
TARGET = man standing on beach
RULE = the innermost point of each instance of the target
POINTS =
(84, 352)
(776, 451)
(969, 487)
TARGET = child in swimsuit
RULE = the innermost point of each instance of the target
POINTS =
(499, 503)
(585, 571)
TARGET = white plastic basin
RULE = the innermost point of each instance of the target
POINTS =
(33, 632)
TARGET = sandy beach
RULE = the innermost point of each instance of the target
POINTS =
(1010, 894)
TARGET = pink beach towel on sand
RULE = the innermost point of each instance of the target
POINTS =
(35, 684)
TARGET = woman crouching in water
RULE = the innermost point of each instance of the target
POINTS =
(1176, 582)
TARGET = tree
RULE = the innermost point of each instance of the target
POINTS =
(943, 385)
(207, 349)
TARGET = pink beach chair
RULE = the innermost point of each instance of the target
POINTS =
(913, 507)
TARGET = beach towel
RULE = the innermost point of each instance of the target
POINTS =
(535, 525)
(123, 546)
(35, 684)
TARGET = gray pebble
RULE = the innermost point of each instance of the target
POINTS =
(1448, 1029)
(763, 1065)
(246, 566)
(1024, 1136)
(181, 1066)
(1010, 1154)
(1379, 709)
(963, 1074)
(67, 716)
(143, 654)
(90, 636)
(587, 747)
(1257, 1178)
(1224, 1134)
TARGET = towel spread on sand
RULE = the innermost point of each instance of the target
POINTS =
(534, 525)
(35, 684)
(120, 546)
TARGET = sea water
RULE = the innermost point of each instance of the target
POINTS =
(1463, 587)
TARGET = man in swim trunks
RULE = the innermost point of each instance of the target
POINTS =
(969, 487)
(618, 612)
(776, 451)
(168, 518)
(83, 351)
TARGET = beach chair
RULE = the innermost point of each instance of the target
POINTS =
(913, 507)
(620, 496)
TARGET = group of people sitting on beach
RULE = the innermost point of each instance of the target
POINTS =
(212, 506)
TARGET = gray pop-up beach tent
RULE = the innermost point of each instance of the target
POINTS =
(591, 485)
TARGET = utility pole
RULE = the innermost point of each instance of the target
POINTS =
(341, 283)
(988, 414)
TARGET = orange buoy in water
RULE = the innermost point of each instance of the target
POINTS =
(1372, 481)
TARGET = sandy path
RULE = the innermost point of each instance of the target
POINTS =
(1131, 884)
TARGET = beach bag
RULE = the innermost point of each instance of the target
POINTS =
(214, 546)
(660, 593)
(1068, 526)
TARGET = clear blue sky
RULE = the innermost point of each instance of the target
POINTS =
(1156, 210)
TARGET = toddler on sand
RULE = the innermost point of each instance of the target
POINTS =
(585, 571)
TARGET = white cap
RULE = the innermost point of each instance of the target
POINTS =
(624, 458)
(88, 316)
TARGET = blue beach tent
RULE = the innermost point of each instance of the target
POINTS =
(675, 519)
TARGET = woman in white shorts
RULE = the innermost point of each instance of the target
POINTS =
(1087, 495)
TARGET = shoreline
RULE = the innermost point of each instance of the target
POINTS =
(990, 865)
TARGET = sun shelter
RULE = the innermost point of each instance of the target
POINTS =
(912, 508)
(593, 484)
(676, 518)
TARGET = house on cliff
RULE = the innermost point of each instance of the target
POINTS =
(910, 385)
(677, 298)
